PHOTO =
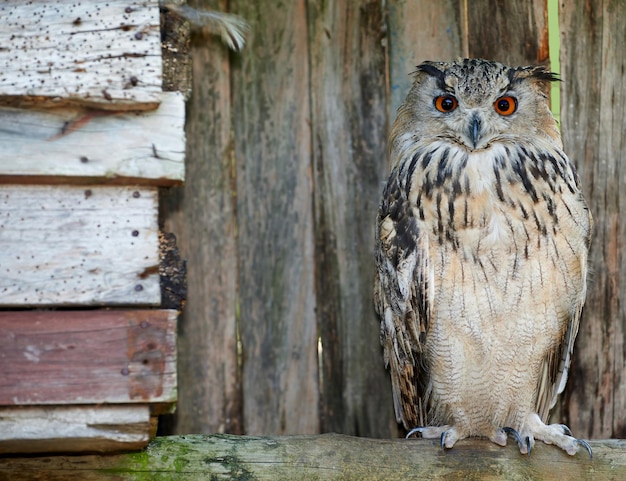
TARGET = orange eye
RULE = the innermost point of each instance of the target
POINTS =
(505, 105)
(445, 103)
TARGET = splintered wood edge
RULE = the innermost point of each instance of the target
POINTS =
(75, 428)
(79, 146)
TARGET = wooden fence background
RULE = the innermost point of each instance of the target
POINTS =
(285, 165)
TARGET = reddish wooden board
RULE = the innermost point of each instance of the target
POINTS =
(88, 357)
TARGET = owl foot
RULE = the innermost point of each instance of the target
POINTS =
(557, 434)
(447, 435)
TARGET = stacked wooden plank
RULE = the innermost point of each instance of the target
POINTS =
(86, 138)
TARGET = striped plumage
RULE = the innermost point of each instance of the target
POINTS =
(482, 243)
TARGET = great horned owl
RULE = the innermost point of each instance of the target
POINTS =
(481, 248)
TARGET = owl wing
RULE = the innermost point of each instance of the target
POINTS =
(556, 365)
(555, 368)
(403, 293)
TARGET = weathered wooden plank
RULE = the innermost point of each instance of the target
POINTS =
(202, 213)
(104, 54)
(511, 32)
(274, 213)
(88, 245)
(74, 429)
(418, 31)
(329, 457)
(87, 357)
(593, 112)
(349, 125)
(83, 145)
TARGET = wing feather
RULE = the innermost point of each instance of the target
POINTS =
(555, 368)
(403, 299)
(557, 362)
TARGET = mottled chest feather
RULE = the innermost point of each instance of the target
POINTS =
(459, 197)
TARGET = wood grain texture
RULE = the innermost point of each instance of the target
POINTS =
(103, 54)
(87, 357)
(271, 119)
(349, 125)
(202, 213)
(593, 108)
(74, 246)
(86, 145)
(514, 33)
(418, 31)
(328, 457)
(76, 429)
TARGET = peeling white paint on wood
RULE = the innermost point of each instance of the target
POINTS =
(146, 147)
(70, 246)
(100, 53)
(74, 429)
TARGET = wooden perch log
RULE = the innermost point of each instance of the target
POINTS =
(327, 456)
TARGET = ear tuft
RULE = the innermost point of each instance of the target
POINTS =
(537, 72)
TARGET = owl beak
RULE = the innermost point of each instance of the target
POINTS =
(475, 129)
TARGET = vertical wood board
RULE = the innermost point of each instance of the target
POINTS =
(202, 213)
(81, 145)
(349, 122)
(514, 33)
(419, 30)
(87, 357)
(106, 54)
(593, 112)
(75, 246)
(271, 119)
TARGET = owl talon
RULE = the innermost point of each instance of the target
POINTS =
(413, 431)
(567, 431)
(528, 446)
(513, 433)
(442, 440)
(428, 432)
(585, 445)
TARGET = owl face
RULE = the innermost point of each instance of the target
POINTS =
(476, 103)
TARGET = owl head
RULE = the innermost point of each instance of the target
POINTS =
(474, 104)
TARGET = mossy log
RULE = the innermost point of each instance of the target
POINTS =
(327, 456)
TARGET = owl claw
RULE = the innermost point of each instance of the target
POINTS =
(527, 441)
(567, 431)
(513, 433)
(413, 431)
(447, 435)
(428, 432)
(585, 445)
